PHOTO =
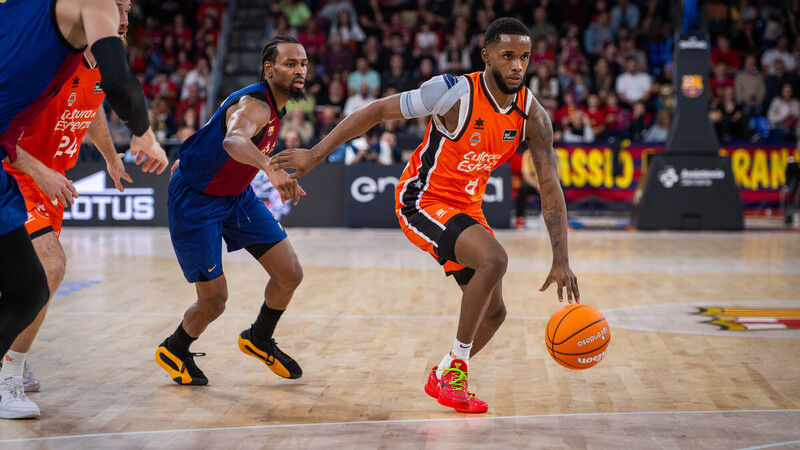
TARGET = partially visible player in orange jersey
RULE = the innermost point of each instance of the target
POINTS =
(477, 122)
(46, 150)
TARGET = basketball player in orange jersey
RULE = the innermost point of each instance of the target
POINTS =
(477, 122)
(42, 44)
(44, 153)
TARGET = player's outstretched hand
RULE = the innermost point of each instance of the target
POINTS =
(287, 187)
(116, 170)
(56, 186)
(562, 275)
(147, 145)
(301, 159)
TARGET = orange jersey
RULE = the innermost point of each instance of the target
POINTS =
(453, 168)
(55, 136)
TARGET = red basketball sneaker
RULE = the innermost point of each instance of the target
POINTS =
(452, 389)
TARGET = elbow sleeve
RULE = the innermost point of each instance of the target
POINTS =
(123, 91)
(435, 96)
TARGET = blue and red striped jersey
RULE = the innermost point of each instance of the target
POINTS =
(207, 167)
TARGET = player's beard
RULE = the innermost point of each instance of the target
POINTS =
(501, 83)
(296, 95)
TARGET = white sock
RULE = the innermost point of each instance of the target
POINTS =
(460, 351)
(13, 365)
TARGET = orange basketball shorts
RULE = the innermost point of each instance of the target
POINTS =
(434, 227)
(43, 215)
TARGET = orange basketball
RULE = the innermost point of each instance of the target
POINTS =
(577, 336)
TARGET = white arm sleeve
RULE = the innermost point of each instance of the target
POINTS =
(435, 96)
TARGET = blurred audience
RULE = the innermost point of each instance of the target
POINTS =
(783, 113)
(297, 123)
(361, 98)
(729, 117)
(601, 69)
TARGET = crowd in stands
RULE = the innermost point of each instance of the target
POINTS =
(171, 47)
(602, 69)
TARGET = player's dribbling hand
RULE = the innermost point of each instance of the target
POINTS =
(301, 159)
(147, 145)
(562, 275)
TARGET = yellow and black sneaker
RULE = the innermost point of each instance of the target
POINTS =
(182, 371)
(279, 362)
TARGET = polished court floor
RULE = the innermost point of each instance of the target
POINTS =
(374, 314)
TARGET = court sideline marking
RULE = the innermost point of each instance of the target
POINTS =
(776, 444)
(389, 422)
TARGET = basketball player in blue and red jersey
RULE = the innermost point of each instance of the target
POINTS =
(477, 122)
(41, 45)
(210, 199)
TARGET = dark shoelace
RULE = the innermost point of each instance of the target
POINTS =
(191, 358)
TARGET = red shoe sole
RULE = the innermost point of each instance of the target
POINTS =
(458, 406)
(472, 411)
(430, 391)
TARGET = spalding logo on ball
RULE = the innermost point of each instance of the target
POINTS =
(577, 336)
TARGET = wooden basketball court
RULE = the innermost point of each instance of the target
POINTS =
(374, 314)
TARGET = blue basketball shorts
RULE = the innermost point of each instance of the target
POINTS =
(13, 212)
(198, 222)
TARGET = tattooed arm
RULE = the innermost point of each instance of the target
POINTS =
(539, 134)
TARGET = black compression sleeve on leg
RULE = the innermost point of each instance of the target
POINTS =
(452, 230)
(123, 91)
(23, 285)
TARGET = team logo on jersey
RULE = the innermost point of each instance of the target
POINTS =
(692, 85)
(75, 82)
(470, 189)
(97, 88)
(748, 319)
(509, 135)
(268, 148)
(478, 124)
(271, 130)
(72, 98)
(475, 139)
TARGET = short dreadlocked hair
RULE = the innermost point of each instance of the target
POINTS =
(270, 50)
(504, 25)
